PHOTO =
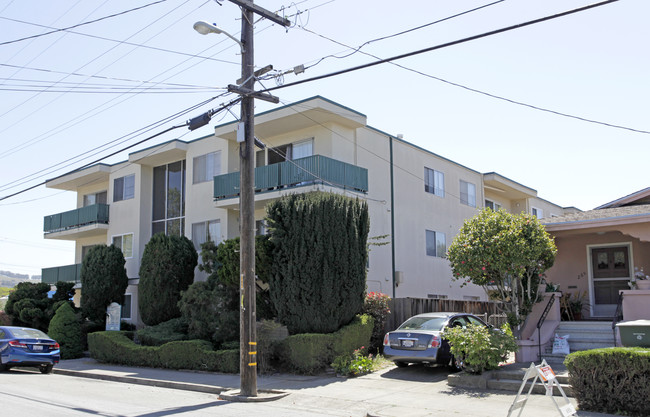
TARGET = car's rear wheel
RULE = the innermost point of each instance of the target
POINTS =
(46, 369)
(3, 367)
(401, 364)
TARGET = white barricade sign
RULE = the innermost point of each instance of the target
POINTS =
(544, 373)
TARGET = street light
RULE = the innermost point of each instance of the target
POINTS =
(205, 28)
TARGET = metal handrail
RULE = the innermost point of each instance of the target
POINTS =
(540, 323)
(618, 315)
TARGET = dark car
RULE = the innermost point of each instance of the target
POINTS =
(22, 346)
(419, 340)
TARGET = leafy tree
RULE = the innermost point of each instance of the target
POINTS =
(103, 280)
(65, 328)
(30, 306)
(212, 307)
(507, 255)
(166, 269)
(318, 279)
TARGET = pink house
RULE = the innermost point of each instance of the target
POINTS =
(599, 252)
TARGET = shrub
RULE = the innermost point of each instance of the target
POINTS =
(478, 348)
(27, 305)
(376, 305)
(269, 337)
(353, 365)
(117, 348)
(166, 269)
(103, 279)
(611, 380)
(169, 331)
(308, 353)
(5, 320)
(65, 328)
(318, 279)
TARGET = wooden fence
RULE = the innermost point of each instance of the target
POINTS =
(403, 308)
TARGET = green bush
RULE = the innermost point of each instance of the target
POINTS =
(308, 353)
(376, 305)
(611, 380)
(318, 279)
(117, 348)
(359, 363)
(104, 280)
(166, 269)
(65, 328)
(168, 331)
(478, 348)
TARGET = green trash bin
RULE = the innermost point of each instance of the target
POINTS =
(635, 333)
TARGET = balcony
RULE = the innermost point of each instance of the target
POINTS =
(309, 171)
(82, 222)
(67, 273)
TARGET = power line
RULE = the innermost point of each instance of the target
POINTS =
(123, 42)
(223, 107)
(81, 24)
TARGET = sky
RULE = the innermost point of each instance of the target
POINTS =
(71, 95)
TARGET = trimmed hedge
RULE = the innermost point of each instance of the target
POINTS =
(611, 380)
(118, 348)
(308, 353)
(169, 331)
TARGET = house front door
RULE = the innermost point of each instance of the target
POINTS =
(610, 273)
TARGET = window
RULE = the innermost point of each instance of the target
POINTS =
(492, 205)
(124, 188)
(206, 231)
(434, 182)
(260, 227)
(96, 198)
(436, 244)
(169, 199)
(126, 306)
(125, 243)
(467, 193)
(291, 151)
(438, 296)
(539, 213)
(206, 167)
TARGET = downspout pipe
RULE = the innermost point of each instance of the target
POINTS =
(392, 213)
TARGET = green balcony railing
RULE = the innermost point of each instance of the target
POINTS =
(67, 273)
(312, 169)
(93, 214)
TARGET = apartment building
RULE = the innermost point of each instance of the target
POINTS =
(417, 200)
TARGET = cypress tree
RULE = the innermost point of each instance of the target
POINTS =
(103, 281)
(318, 278)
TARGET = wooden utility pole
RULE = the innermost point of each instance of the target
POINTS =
(247, 317)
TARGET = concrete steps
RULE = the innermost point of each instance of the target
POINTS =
(583, 335)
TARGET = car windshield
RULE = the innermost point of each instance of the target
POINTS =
(29, 334)
(423, 323)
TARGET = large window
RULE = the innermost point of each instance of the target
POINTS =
(124, 188)
(436, 244)
(206, 231)
(96, 198)
(206, 167)
(169, 199)
(434, 182)
(125, 243)
(467, 193)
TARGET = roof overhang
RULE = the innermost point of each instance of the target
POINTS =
(160, 154)
(506, 187)
(297, 116)
(79, 178)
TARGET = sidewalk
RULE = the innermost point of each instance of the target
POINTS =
(394, 392)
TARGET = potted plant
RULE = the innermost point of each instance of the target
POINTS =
(640, 280)
(572, 305)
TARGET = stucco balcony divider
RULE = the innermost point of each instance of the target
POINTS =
(66, 273)
(303, 171)
(93, 214)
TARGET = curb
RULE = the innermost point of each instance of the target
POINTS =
(264, 395)
(186, 386)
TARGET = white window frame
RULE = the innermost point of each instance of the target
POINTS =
(466, 197)
(205, 225)
(495, 206)
(440, 240)
(128, 188)
(206, 167)
(121, 245)
(537, 212)
(434, 182)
